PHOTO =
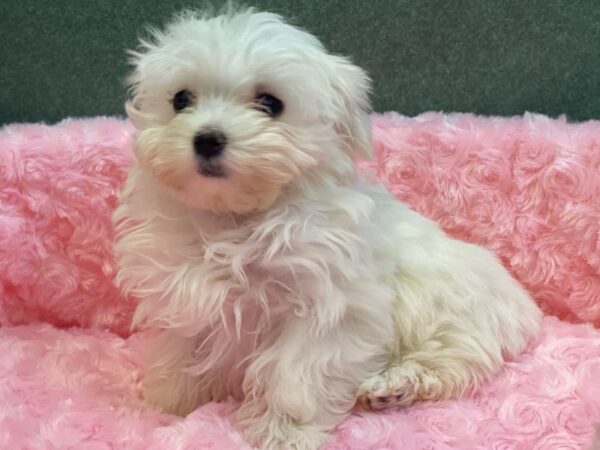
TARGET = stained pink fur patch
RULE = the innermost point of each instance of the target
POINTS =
(528, 188)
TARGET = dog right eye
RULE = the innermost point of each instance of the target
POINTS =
(269, 104)
(182, 100)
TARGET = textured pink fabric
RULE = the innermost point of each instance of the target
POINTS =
(528, 188)
(58, 187)
(78, 389)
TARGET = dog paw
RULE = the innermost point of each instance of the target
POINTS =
(390, 388)
(402, 385)
(297, 439)
(282, 443)
(279, 432)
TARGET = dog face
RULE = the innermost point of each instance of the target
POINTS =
(233, 109)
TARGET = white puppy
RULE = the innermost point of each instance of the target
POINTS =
(271, 271)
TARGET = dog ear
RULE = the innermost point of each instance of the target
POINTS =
(352, 87)
(135, 111)
(136, 104)
(135, 115)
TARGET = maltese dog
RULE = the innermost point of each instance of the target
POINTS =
(270, 270)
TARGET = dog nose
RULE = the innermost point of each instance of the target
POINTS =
(209, 144)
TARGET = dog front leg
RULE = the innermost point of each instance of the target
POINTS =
(302, 386)
(167, 385)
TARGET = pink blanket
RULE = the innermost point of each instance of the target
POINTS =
(528, 188)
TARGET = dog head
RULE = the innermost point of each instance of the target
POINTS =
(232, 109)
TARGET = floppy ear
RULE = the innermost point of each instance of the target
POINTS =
(137, 105)
(133, 106)
(352, 86)
(135, 115)
(138, 111)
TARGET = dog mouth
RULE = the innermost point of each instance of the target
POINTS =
(211, 169)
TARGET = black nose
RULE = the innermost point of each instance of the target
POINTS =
(209, 144)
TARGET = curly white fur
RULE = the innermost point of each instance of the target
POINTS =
(290, 283)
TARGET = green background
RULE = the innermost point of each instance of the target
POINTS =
(65, 58)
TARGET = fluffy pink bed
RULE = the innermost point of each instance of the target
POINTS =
(528, 188)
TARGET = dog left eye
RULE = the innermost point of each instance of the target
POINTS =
(269, 104)
(182, 100)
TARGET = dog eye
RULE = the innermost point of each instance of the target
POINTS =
(182, 100)
(269, 104)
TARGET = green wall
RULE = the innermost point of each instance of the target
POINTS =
(61, 58)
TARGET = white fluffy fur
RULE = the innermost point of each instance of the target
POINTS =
(290, 284)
